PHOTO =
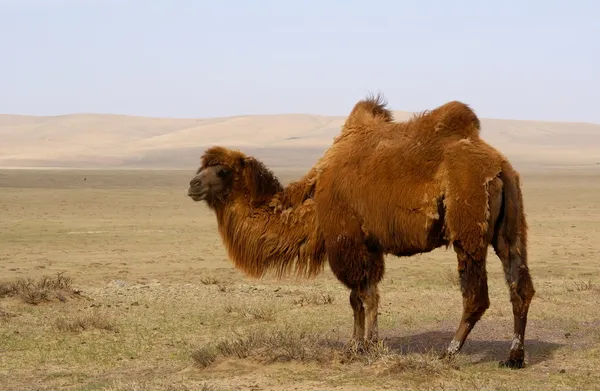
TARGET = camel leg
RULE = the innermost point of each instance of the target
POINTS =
(521, 290)
(370, 299)
(359, 316)
(473, 283)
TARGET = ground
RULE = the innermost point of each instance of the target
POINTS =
(130, 289)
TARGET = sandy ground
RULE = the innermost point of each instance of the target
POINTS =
(161, 308)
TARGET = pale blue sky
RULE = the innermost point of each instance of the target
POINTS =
(536, 59)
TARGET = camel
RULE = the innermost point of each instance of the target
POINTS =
(383, 187)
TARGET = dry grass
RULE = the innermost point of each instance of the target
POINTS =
(583, 286)
(451, 277)
(263, 312)
(292, 343)
(314, 299)
(95, 320)
(153, 386)
(5, 315)
(36, 291)
(209, 280)
(270, 345)
(182, 318)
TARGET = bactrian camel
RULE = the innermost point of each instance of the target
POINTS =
(383, 187)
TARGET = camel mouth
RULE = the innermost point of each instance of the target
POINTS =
(197, 195)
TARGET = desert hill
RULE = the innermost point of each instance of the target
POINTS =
(287, 140)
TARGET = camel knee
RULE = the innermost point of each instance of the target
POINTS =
(527, 291)
(521, 289)
(482, 305)
(369, 297)
(475, 308)
(355, 301)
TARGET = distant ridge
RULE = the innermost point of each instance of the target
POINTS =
(281, 140)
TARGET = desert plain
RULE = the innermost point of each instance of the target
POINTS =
(112, 279)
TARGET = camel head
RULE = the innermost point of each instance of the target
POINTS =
(226, 174)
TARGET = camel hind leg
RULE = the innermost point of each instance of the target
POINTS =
(510, 244)
(521, 291)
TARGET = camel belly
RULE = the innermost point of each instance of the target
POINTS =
(406, 232)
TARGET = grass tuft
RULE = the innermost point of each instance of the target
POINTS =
(35, 292)
(209, 280)
(4, 315)
(314, 299)
(278, 345)
(96, 321)
(451, 277)
(159, 386)
(264, 313)
(204, 356)
(582, 286)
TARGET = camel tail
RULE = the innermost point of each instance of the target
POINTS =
(511, 242)
(511, 247)
(369, 110)
(514, 224)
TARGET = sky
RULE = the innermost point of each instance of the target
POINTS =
(535, 59)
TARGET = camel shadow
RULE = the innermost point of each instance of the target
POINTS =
(536, 351)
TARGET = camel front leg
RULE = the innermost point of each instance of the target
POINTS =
(473, 283)
(370, 299)
(359, 317)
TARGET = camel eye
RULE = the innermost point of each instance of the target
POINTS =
(223, 173)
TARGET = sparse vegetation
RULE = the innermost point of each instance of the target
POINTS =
(34, 291)
(314, 299)
(5, 315)
(451, 277)
(269, 334)
(270, 345)
(209, 280)
(163, 386)
(80, 323)
(582, 286)
(204, 356)
(263, 312)
(292, 344)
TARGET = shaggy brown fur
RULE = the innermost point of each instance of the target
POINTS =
(383, 187)
(260, 234)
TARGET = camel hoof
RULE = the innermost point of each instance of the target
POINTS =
(512, 363)
(369, 344)
(446, 356)
(355, 346)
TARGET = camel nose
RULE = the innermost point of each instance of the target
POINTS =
(195, 182)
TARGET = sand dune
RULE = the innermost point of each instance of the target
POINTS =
(290, 140)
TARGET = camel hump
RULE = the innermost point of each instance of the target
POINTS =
(457, 119)
(370, 110)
